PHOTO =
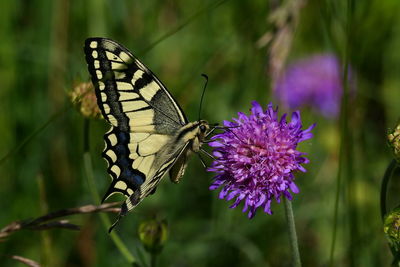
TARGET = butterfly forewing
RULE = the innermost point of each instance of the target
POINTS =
(129, 95)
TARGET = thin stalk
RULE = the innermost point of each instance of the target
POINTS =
(345, 151)
(27, 139)
(95, 196)
(352, 211)
(181, 26)
(47, 256)
(336, 210)
(385, 181)
(96, 22)
(292, 233)
(153, 259)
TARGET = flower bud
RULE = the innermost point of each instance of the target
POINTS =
(153, 234)
(84, 97)
(391, 227)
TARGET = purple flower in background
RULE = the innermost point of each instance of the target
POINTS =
(315, 81)
(256, 157)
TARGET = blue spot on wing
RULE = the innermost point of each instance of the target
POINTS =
(132, 177)
(122, 137)
(121, 149)
(123, 161)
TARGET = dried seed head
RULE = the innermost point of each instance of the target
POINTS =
(84, 98)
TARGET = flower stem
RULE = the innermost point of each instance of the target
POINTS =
(292, 233)
(95, 196)
(345, 168)
(189, 20)
(153, 259)
(352, 213)
(336, 211)
(385, 181)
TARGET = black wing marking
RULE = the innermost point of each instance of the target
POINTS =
(125, 179)
(127, 91)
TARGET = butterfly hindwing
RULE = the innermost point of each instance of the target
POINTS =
(135, 164)
(125, 179)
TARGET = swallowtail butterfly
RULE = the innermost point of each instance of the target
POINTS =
(149, 133)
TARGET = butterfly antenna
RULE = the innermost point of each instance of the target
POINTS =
(202, 94)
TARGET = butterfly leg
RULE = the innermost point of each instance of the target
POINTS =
(210, 132)
(208, 154)
(208, 141)
(202, 161)
(218, 127)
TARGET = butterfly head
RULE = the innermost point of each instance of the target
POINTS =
(202, 129)
(201, 132)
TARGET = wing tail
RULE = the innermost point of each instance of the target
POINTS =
(129, 204)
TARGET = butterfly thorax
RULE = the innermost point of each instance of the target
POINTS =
(194, 133)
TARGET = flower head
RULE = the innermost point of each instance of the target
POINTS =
(256, 157)
(83, 96)
(315, 81)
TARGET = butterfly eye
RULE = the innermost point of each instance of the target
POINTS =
(203, 128)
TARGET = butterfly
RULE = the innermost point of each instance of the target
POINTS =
(149, 135)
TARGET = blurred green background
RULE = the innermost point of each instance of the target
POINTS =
(41, 60)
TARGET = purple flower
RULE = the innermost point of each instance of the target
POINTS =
(256, 157)
(315, 81)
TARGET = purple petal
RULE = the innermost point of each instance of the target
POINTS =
(256, 109)
(232, 194)
(252, 213)
(295, 118)
(216, 144)
(267, 207)
(294, 188)
(288, 195)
